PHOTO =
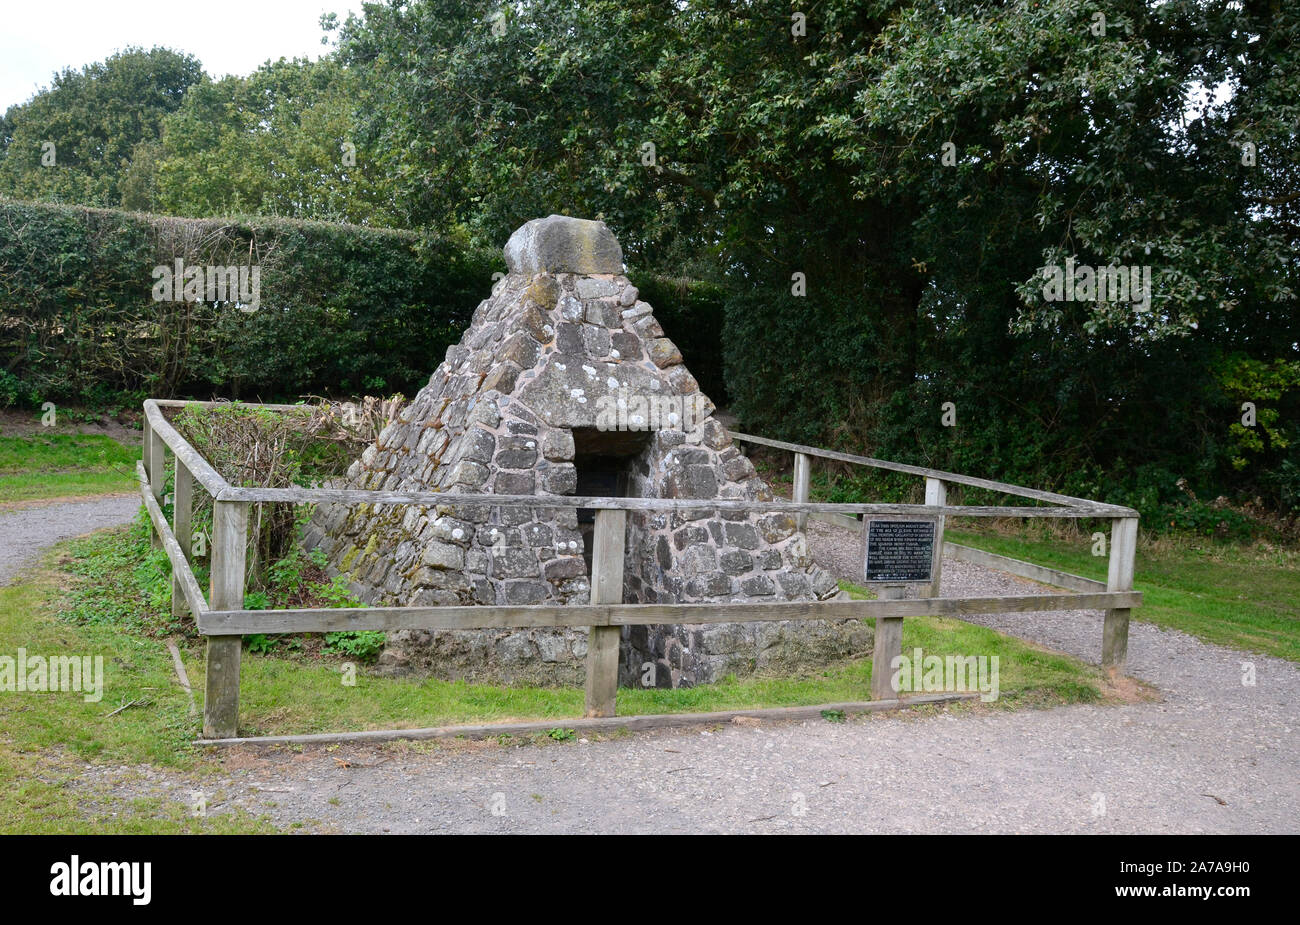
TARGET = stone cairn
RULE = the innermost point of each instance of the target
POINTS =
(564, 384)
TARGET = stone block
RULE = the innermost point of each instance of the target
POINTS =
(627, 344)
(565, 567)
(690, 535)
(596, 341)
(515, 562)
(470, 474)
(516, 451)
(737, 562)
(515, 483)
(742, 535)
(558, 445)
(568, 340)
(443, 555)
(520, 349)
(477, 445)
(691, 482)
(601, 312)
(664, 353)
(589, 288)
(561, 244)
(776, 526)
(536, 534)
(794, 585)
(560, 479)
(570, 310)
(525, 592)
(647, 327)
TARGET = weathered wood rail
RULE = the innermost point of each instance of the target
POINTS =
(222, 619)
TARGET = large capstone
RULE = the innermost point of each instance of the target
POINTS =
(559, 244)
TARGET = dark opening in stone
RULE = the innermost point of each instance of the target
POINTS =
(604, 463)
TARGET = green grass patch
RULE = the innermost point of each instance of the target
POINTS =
(62, 465)
(286, 696)
(46, 738)
(1244, 597)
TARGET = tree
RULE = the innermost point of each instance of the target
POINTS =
(74, 141)
(282, 141)
(822, 147)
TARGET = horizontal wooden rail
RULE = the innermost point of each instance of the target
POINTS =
(1040, 573)
(208, 477)
(366, 496)
(180, 565)
(1095, 508)
(343, 619)
(634, 723)
(182, 402)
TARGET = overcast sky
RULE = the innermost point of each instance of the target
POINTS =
(39, 37)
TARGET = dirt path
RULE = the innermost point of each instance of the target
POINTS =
(1214, 756)
(27, 530)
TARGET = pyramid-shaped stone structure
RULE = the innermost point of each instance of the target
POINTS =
(565, 384)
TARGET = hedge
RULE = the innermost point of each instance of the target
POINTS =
(692, 313)
(343, 308)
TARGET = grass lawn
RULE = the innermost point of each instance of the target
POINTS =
(280, 695)
(1239, 596)
(63, 465)
(47, 738)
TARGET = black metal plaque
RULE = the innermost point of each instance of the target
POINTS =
(900, 550)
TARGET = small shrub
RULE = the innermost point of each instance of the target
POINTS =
(260, 643)
(364, 646)
(256, 447)
(335, 593)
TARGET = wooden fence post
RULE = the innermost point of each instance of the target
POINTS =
(606, 588)
(146, 442)
(229, 547)
(182, 510)
(888, 644)
(156, 465)
(1114, 634)
(146, 457)
(936, 492)
(802, 476)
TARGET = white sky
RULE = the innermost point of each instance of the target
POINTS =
(39, 37)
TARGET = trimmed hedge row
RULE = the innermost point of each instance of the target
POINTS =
(342, 309)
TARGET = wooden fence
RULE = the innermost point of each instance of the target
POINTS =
(222, 619)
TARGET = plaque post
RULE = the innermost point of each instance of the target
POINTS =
(936, 492)
(888, 644)
(1114, 634)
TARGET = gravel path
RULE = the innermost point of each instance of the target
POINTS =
(1213, 756)
(27, 530)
